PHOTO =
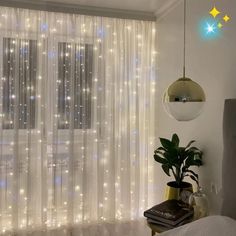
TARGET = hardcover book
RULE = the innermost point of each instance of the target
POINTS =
(170, 212)
(166, 226)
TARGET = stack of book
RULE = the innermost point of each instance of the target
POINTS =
(170, 214)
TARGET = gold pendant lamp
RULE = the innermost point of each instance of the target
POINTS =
(184, 99)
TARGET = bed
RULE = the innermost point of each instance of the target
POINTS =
(224, 224)
(208, 226)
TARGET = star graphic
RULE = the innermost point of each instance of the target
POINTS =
(220, 25)
(210, 28)
(214, 12)
(226, 18)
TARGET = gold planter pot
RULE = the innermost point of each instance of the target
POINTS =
(174, 192)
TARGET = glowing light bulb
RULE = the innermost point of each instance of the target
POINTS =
(22, 191)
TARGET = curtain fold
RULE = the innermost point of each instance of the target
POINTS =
(77, 118)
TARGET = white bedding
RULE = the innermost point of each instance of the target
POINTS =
(208, 226)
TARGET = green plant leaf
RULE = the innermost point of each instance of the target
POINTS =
(198, 162)
(183, 154)
(193, 178)
(175, 140)
(172, 159)
(178, 159)
(194, 149)
(193, 162)
(161, 149)
(166, 169)
(159, 152)
(195, 154)
(167, 144)
(192, 172)
(190, 143)
(181, 150)
(160, 159)
(189, 161)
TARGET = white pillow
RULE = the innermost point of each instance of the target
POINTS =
(208, 226)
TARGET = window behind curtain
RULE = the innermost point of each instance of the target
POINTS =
(19, 83)
(75, 62)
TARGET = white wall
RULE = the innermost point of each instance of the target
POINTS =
(210, 63)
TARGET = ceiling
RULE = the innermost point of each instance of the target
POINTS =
(127, 9)
(134, 5)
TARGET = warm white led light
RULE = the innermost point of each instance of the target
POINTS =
(59, 167)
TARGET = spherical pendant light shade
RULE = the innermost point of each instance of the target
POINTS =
(184, 99)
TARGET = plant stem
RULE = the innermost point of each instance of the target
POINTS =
(178, 175)
(174, 174)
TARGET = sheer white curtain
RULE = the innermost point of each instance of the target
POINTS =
(77, 101)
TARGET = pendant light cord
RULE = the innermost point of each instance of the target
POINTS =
(184, 38)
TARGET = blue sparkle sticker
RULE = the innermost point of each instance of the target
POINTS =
(208, 29)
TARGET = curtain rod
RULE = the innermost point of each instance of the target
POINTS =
(79, 9)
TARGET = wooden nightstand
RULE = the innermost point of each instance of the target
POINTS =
(156, 229)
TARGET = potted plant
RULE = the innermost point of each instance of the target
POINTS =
(177, 160)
